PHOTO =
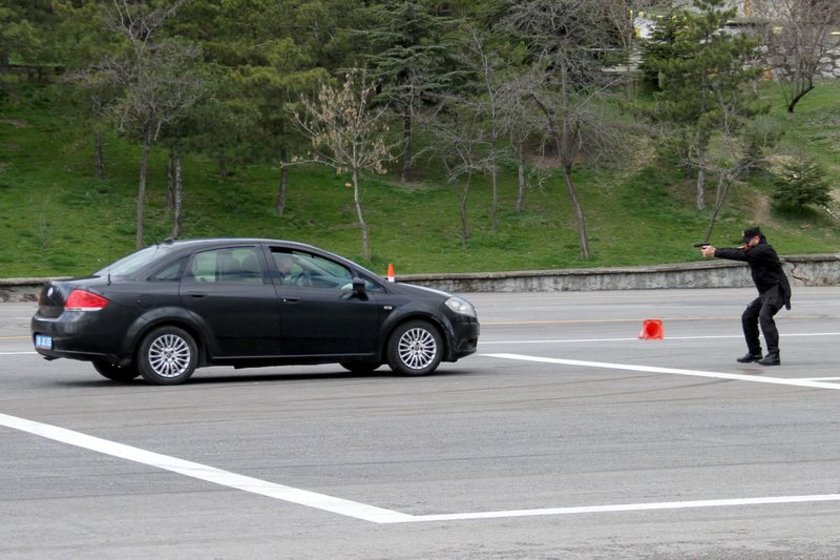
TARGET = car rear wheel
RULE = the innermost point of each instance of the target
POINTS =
(167, 356)
(115, 372)
(415, 348)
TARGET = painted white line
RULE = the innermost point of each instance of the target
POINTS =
(350, 508)
(16, 353)
(485, 342)
(209, 474)
(630, 507)
(674, 371)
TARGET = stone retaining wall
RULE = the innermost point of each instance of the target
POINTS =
(810, 270)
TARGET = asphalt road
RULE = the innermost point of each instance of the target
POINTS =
(566, 437)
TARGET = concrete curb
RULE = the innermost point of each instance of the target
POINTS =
(808, 270)
(804, 270)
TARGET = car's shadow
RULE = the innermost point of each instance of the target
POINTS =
(274, 376)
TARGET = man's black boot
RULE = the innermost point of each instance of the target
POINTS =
(771, 359)
(749, 357)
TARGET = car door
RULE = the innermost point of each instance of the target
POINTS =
(229, 290)
(320, 315)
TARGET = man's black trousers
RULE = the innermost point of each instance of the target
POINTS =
(760, 312)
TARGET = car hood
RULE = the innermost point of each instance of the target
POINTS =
(420, 293)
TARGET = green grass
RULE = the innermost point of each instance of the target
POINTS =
(57, 219)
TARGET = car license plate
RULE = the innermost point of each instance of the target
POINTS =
(43, 342)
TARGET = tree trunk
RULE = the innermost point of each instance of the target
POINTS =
(494, 210)
(280, 207)
(580, 220)
(566, 148)
(177, 189)
(141, 190)
(700, 188)
(98, 155)
(520, 193)
(405, 173)
(170, 180)
(724, 181)
(362, 224)
(801, 91)
(462, 214)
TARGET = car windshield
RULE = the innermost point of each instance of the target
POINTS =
(129, 264)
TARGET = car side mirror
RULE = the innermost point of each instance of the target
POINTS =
(359, 288)
(357, 291)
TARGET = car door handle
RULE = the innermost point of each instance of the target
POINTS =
(196, 294)
(290, 300)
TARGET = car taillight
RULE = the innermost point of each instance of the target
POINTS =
(81, 300)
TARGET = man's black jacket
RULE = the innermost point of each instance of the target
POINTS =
(765, 266)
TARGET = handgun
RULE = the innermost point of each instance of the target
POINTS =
(701, 245)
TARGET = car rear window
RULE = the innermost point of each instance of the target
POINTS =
(130, 264)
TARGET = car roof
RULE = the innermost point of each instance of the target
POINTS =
(232, 240)
(199, 243)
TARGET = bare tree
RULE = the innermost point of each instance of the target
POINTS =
(158, 80)
(568, 38)
(347, 134)
(487, 107)
(522, 124)
(730, 157)
(798, 36)
(463, 144)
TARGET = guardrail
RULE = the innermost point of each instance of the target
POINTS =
(807, 270)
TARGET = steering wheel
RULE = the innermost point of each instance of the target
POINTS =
(304, 279)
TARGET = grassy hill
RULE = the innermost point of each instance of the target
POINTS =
(57, 219)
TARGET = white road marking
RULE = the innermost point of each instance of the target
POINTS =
(630, 507)
(374, 514)
(485, 342)
(204, 472)
(674, 371)
(350, 508)
(16, 353)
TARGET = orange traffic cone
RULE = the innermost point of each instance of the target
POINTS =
(652, 330)
(390, 274)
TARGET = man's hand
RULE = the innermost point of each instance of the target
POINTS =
(708, 251)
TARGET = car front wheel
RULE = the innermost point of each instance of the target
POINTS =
(415, 348)
(167, 356)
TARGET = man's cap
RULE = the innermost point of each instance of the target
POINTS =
(750, 233)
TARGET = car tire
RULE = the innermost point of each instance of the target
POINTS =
(359, 366)
(115, 372)
(167, 356)
(415, 348)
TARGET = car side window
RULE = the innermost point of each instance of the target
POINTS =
(231, 265)
(298, 268)
(170, 273)
(370, 285)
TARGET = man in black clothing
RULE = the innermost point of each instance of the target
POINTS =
(773, 293)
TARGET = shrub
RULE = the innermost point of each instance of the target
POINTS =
(801, 182)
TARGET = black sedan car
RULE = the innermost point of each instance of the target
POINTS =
(170, 308)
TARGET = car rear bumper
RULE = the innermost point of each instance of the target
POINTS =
(73, 335)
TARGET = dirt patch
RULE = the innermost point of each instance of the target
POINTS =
(761, 210)
(17, 123)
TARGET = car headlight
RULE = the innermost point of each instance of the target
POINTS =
(461, 306)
